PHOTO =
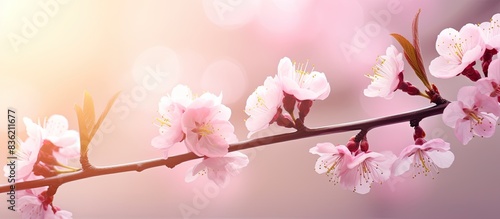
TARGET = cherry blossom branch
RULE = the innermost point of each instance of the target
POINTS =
(171, 162)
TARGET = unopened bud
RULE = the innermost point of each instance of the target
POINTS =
(419, 133)
(285, 121)
(289, 103)
(304, 108)
(364, 145)
(352, 145)
(420, 141)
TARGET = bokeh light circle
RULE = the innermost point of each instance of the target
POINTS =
(157, 68)
(227, 77)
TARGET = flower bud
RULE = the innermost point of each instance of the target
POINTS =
(289, 102)
(364, 145)
(352, 145)
(419, 133)
(304, 107)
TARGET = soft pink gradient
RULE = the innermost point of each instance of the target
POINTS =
(107, 46)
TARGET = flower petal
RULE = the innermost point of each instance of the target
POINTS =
(463, 131)
(442, 159)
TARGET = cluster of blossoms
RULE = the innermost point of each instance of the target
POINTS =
(293, 86)
(201, 124)
(355, 167)
(476, 110)
(45, 153)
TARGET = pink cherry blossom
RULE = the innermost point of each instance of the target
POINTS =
(263, 105)
(55, 130)
(490, 85)
(333, 160)
(491, 32)
(37, 204)
(365, 169)
(219, 169)
(424, 158)
(472, 114)
(171, 108)
(207, 127)
(386, 74)
(303, 85)
(457, 50)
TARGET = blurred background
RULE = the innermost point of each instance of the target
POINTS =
(52, 51)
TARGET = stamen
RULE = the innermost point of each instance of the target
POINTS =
(472, 114)
(203, 129)
(164, 121)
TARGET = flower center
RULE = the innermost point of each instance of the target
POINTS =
(301, 69)
(203, 129)
(333, 171)
(164, 121)
(376, 70)
(457, 47)
(366, 172)
(260, 101)
(423, 164)
(471, 114)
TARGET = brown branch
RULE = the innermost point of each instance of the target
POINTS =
(175, 160)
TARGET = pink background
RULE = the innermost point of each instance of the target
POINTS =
(105, 47)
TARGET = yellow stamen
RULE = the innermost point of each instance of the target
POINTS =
(203, 129)
(164, 121)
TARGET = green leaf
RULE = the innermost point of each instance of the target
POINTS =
(418, 54)
(84, 138)
(87, 125)
(88, 113)
(411, 57)
(103, 114)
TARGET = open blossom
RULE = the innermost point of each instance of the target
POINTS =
(472, 114)
(66, 144)
(35, 203)
(171, 109)
(263, 105)
(303, 85)
(206, 125)
(367, 168)
(333, 160)
(424, 158)
(385, 79)
(68, 141)
(490, 85)
(457, 50)
(201, 124)
(491, 32)
(219, 169)
(355, 173)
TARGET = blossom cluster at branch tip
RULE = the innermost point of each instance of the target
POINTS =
(457, 50)
(473, 113)
(292, 87)
(46, 152)
(460, 50)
